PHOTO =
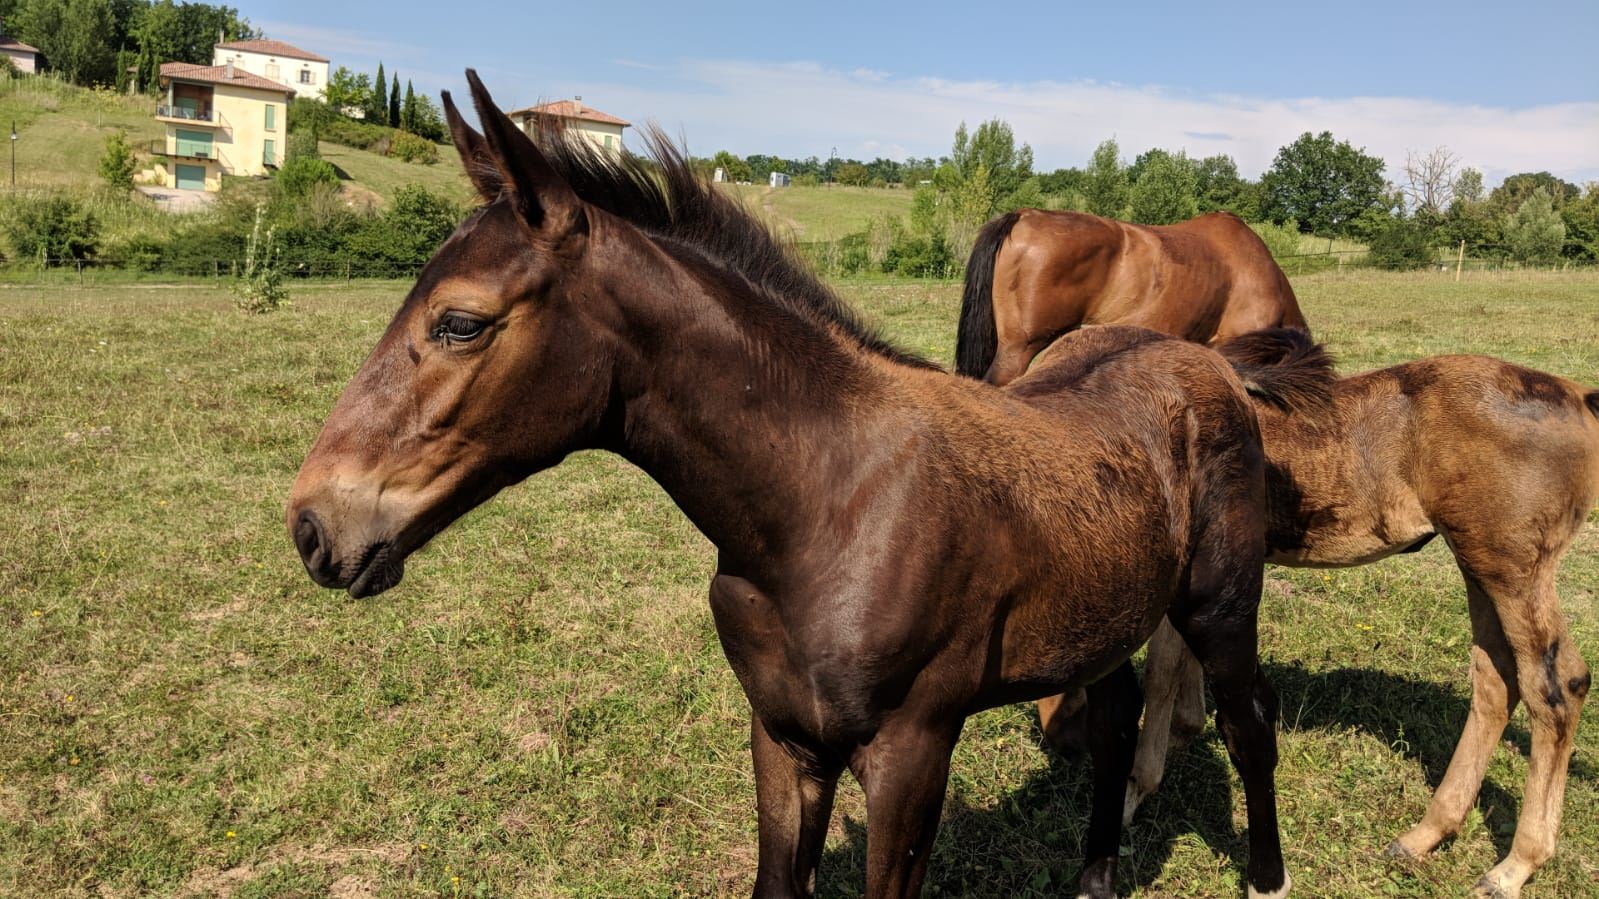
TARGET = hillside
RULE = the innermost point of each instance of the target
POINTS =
(822, 213)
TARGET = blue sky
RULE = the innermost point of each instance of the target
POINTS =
(1506, 87)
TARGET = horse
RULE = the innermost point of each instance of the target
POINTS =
(898, 548)
(1502, 462)
(1035, 274)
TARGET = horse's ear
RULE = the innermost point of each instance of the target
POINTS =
(475, 156)
(538, 191)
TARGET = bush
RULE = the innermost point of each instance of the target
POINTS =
(411, 148)
(54, 228)
(300, 174)
(1281, 240)
(350, 133)
(116, 161)
(920, 256)
(140, 253)
(1404, 244)
(302, 145)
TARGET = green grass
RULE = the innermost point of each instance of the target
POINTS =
(542, 707)
(823, 213)
(61, 129)
(383, 175)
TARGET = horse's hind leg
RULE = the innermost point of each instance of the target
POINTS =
(1172, 688)
(1218, 620)
(1113, 705)
(1494, 694)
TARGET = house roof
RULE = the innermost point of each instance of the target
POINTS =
(11, 43)
(184, 71)
(569, 109)
(272, 48)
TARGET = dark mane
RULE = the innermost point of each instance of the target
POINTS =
(663, 196)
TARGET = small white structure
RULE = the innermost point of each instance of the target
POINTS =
(720, 175)
(303, 72)
(778, 179)
(602, 128)
(24, 57)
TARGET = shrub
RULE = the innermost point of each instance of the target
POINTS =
(920, 256)
(411, 148)
(306, 114)
(302, 145)
(116, 161)
(259, 285)
(1282, 240)
(350, 133)
(52, 228)
(1536, 232)
(300, 174)
(1403, 244)
(140, 253)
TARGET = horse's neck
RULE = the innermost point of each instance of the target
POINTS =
(747, 417)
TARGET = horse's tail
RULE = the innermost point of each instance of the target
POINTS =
(976, 340)
(1283, 367)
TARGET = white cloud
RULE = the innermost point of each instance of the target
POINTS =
(801, 108)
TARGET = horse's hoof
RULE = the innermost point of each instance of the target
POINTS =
(1397, 849)
(1487, 889)
(1279, 893)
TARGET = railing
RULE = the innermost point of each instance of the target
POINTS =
(188, 115)
(159, 148)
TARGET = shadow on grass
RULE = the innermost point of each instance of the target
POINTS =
(1029, 841)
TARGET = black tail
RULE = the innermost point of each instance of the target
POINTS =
(976, 341)
(1283, 367)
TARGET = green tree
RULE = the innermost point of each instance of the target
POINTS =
(116, 161)
(377, 102)
(394, 102)
(429, 119)
(993, 149)
(347, 90)
(1167, 189)
(73, 35)
(1582, 225)
(408, 109)
(852, 173)
(1222, 189)
(733, 168)
(1468, 186)
(1535, 233)
(1511, 193)
(1323, 183)
(1105, 181)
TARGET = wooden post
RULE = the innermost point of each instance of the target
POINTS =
(1460, 260)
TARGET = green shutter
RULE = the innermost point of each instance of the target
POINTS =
(194, 143)
(269, 155)
(191, 177)
(271, 119)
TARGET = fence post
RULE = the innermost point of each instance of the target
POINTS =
(80, 272)
(1460, 260)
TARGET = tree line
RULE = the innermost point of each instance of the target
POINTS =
(97, 42)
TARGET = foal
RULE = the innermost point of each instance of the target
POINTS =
(1500, 460)
(897, 548)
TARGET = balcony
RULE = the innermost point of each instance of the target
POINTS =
(178, 151)
(205, 118)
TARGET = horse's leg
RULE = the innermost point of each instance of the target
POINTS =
(1113, 704)
(903, 771)
(1063, 719)
(1171, 682)
(793, 799)
(1554, 683)
(1494, 694)
(1218, 620)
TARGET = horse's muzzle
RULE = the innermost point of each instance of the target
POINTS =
(368, 573)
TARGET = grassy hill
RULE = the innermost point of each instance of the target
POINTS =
(822, 213)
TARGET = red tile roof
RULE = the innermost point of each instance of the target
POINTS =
(11, 43)
(272, 48)
(184, 71)
(569, 109)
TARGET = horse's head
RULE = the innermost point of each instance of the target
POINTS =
(490, 371)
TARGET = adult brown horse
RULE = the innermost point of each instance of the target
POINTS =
(898, 548)
(1034, 275)
(1500, 460)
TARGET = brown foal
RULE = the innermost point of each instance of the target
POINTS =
(1500, 460)
(1035, 274)
(898, 548)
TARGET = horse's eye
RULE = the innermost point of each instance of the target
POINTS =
(456, 327)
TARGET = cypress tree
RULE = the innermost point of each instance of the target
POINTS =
(375, 101)
(394, 103)
(408, 109)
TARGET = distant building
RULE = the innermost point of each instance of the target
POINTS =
(604, 129)
(221, 120)
(304, 72)
(24, 57)
(778, 179)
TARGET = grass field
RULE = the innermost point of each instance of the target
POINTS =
(823, 213)
(542, 707)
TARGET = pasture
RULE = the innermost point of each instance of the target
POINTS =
(542, 707)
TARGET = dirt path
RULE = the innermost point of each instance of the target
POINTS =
(794, 227)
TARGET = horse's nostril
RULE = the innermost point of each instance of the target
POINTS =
(311, 540)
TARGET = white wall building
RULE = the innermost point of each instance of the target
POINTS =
(304, 73)
(604, 129)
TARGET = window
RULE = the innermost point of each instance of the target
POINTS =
(607, 142)
(306, 77)
(269, 153)
(272, 71)
(271, 117)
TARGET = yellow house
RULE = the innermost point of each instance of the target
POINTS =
(221, 120)
(603, 129)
